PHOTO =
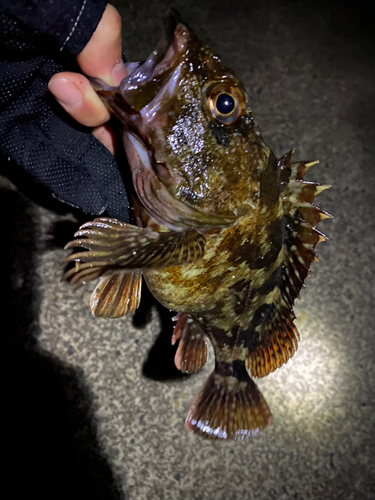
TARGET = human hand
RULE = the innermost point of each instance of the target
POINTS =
(101, 58)
(43, 39)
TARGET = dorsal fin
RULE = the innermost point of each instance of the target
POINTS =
(278, 335)
(300, 219)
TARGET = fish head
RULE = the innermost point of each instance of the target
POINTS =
(191, 142)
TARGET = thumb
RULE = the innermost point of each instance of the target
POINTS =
(102, 56)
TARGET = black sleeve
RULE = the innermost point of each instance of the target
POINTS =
(39, 38)
(67, 24)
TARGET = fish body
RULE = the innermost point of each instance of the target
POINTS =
(225, 232)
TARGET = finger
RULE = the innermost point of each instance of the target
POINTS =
(105, 135)
(75, 94)
(102, 56)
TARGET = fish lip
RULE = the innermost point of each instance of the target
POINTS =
(164, 58)
(166, 92)
(155, 70)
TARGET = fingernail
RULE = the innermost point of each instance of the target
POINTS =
(118, 73)
(66, 93)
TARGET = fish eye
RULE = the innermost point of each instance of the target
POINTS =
(225, 104)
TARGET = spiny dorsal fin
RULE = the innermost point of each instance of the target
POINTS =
(278, 335)
(300, 219)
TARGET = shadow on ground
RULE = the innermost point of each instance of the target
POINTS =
(159, 364)
(50, 448)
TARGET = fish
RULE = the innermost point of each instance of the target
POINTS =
(223, 232)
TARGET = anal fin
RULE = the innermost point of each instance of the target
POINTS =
(116, 295)
(191, 354)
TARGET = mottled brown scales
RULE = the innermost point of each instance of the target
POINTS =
(226, 232)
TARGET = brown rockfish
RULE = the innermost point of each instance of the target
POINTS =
(225, 232)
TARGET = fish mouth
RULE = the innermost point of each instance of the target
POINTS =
(145, 82)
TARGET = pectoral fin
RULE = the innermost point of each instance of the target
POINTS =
(113, 245)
